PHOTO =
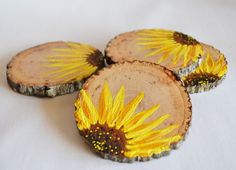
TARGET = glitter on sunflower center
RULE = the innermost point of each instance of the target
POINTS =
(105, 139)
(184, 39)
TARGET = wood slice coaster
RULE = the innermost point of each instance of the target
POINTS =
(52, 69)
(211, 72)
(133, 111)
(174, 50)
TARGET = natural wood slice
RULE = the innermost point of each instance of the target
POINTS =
(211, 72)
(159, 85)
(174, 50)
(52, 69)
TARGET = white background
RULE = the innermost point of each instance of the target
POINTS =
(40, 134)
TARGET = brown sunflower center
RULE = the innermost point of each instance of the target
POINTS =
(105, 139)
(95, 59)
(196, 79)
(184, 39)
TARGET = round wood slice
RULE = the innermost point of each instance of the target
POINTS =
(206, 80)
(125, 47)
(50, 69)
(160, 86)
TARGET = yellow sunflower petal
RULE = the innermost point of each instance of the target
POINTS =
(154, 143)
(139, 118)
(83, 120)
(186, 55)
(155, 43)
(77, 45)
(145, 128)
(223, 71)
(105, 103)
(153, 39)
(201, 68)
(148, 152)
(190, 54)
(71, 72)
(219, 65)
(78, 120)
(118, 105)
(209, 63)
(88, 107)
(220, 60)
(155, 31)
(175, 53)
(127, 112)
(198, 53)
(217, 69)
(163, 58)
(179, 54)
(155, 134)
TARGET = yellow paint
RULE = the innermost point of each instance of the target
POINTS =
(216, 67)
(143, 138)
(159, 41)
(70, 63)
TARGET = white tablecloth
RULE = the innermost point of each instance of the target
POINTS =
(40, 134)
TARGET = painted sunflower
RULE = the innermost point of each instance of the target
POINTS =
(210, 71)
(76, 62)
(114, 130)
(180, 47)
